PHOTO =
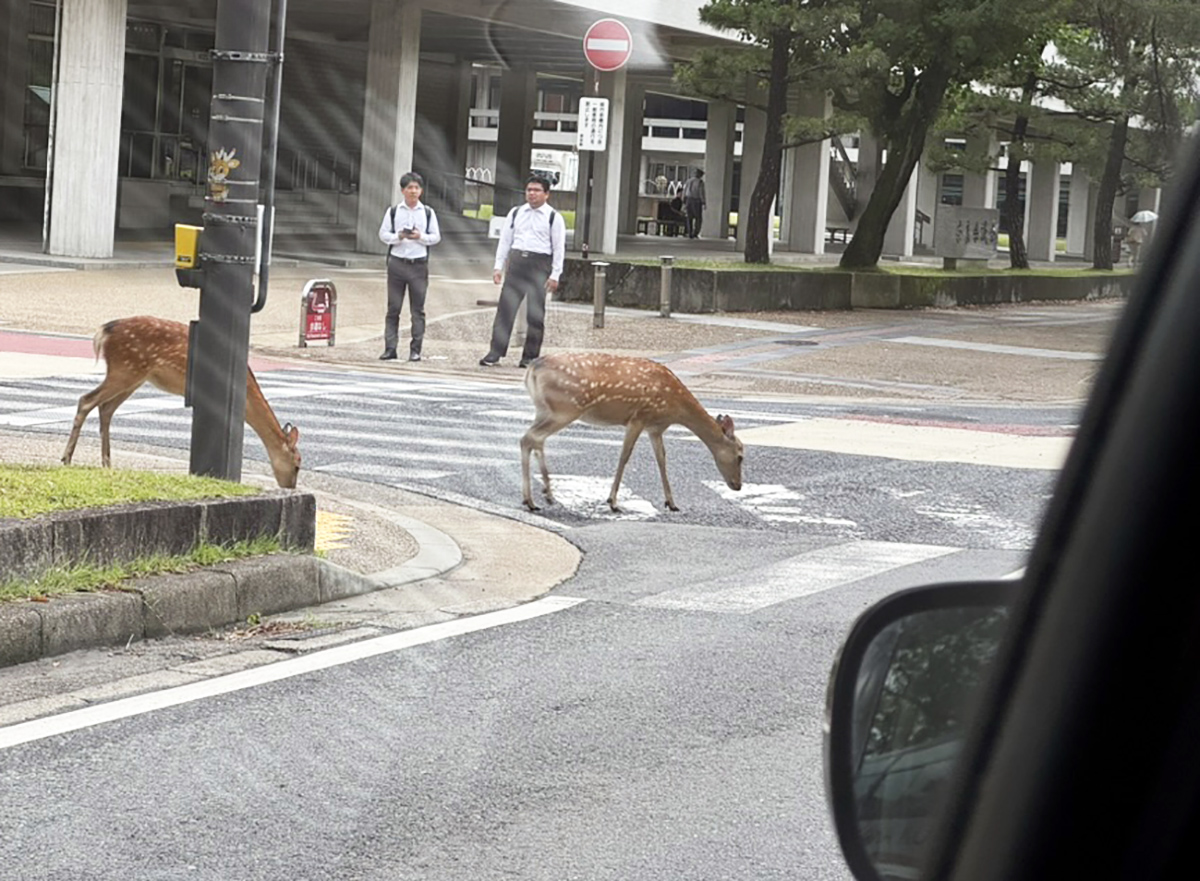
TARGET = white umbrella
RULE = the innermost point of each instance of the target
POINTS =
(1144, 217)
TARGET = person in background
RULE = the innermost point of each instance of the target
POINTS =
(409, 229)
(1135, 238)
(529, 261)
(694, 202)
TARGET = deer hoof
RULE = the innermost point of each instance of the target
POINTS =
(531, 506)
(671, 506)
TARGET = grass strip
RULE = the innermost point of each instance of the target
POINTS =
(89, 577)
(32, 490)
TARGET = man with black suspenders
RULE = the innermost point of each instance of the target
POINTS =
(409, 229)
(533, 243)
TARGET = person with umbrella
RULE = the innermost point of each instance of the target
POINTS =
(1139, 231)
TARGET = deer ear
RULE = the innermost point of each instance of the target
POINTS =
(291, 432)
(726, 423)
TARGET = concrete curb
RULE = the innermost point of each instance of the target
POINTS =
(215, 596)
(194, 602)
(160, 605)
(125, 532)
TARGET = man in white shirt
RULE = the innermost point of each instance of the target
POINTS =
(529, 261)
(409, 230)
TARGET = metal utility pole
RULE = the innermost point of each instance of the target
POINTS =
(220, 339)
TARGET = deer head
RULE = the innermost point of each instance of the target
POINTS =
(728, 453)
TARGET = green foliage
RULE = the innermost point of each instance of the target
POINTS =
(30, 490)
(1131, 59)
(889, 66)
(88, 577)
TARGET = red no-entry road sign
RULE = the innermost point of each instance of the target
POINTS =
(607, 44)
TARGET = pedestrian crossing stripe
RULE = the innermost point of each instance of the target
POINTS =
(588, 497)
(799, 576)
(776, 503)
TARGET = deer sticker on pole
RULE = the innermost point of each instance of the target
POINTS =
(219, 169)
(638, 393)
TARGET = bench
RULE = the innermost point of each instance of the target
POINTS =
(650, 226)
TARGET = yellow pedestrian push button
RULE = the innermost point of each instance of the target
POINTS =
(187, 255)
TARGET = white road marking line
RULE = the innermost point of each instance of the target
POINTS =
(996, 349)
(800, 576)
(39, 729)
(588, 497)
(354, 467)
(915, 443)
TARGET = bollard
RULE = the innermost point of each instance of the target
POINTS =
(598, 294)
(664, 291)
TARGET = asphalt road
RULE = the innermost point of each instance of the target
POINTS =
(609, 739)
(666, 725)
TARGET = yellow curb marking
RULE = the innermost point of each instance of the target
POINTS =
(331, 529)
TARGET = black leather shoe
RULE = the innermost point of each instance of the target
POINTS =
(484, 362)
(525, 362)
(388, 355)
(414, 356)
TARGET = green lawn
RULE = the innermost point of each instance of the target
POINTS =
(30, 490)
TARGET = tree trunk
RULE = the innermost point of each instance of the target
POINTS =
(905, 146)
(1106, 196)
(760, 219)
(1014, 217)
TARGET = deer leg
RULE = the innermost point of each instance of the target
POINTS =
(540, 450)
(632, 433)
(87, 403)
(106, 414)
(534, 440)
(660, 453)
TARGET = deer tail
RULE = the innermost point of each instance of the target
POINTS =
(101, 338)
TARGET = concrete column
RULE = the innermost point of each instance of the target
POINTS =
(459, 133)
(806, 201)
(929, 201)
(14, 65)
(1042, 200)
(389, 112)
(91, 81)
(754, 132)
(631, 165)
(514, 138)
(898, 238)
(1079, 215)
(979, 188)
(606, 193)
(718, 168)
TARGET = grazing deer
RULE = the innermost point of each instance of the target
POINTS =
(145, 349)
(640, 394)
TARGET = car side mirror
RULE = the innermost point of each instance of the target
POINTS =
(901, 699)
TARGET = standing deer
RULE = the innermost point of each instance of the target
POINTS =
(640, 394)
(141, 349)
